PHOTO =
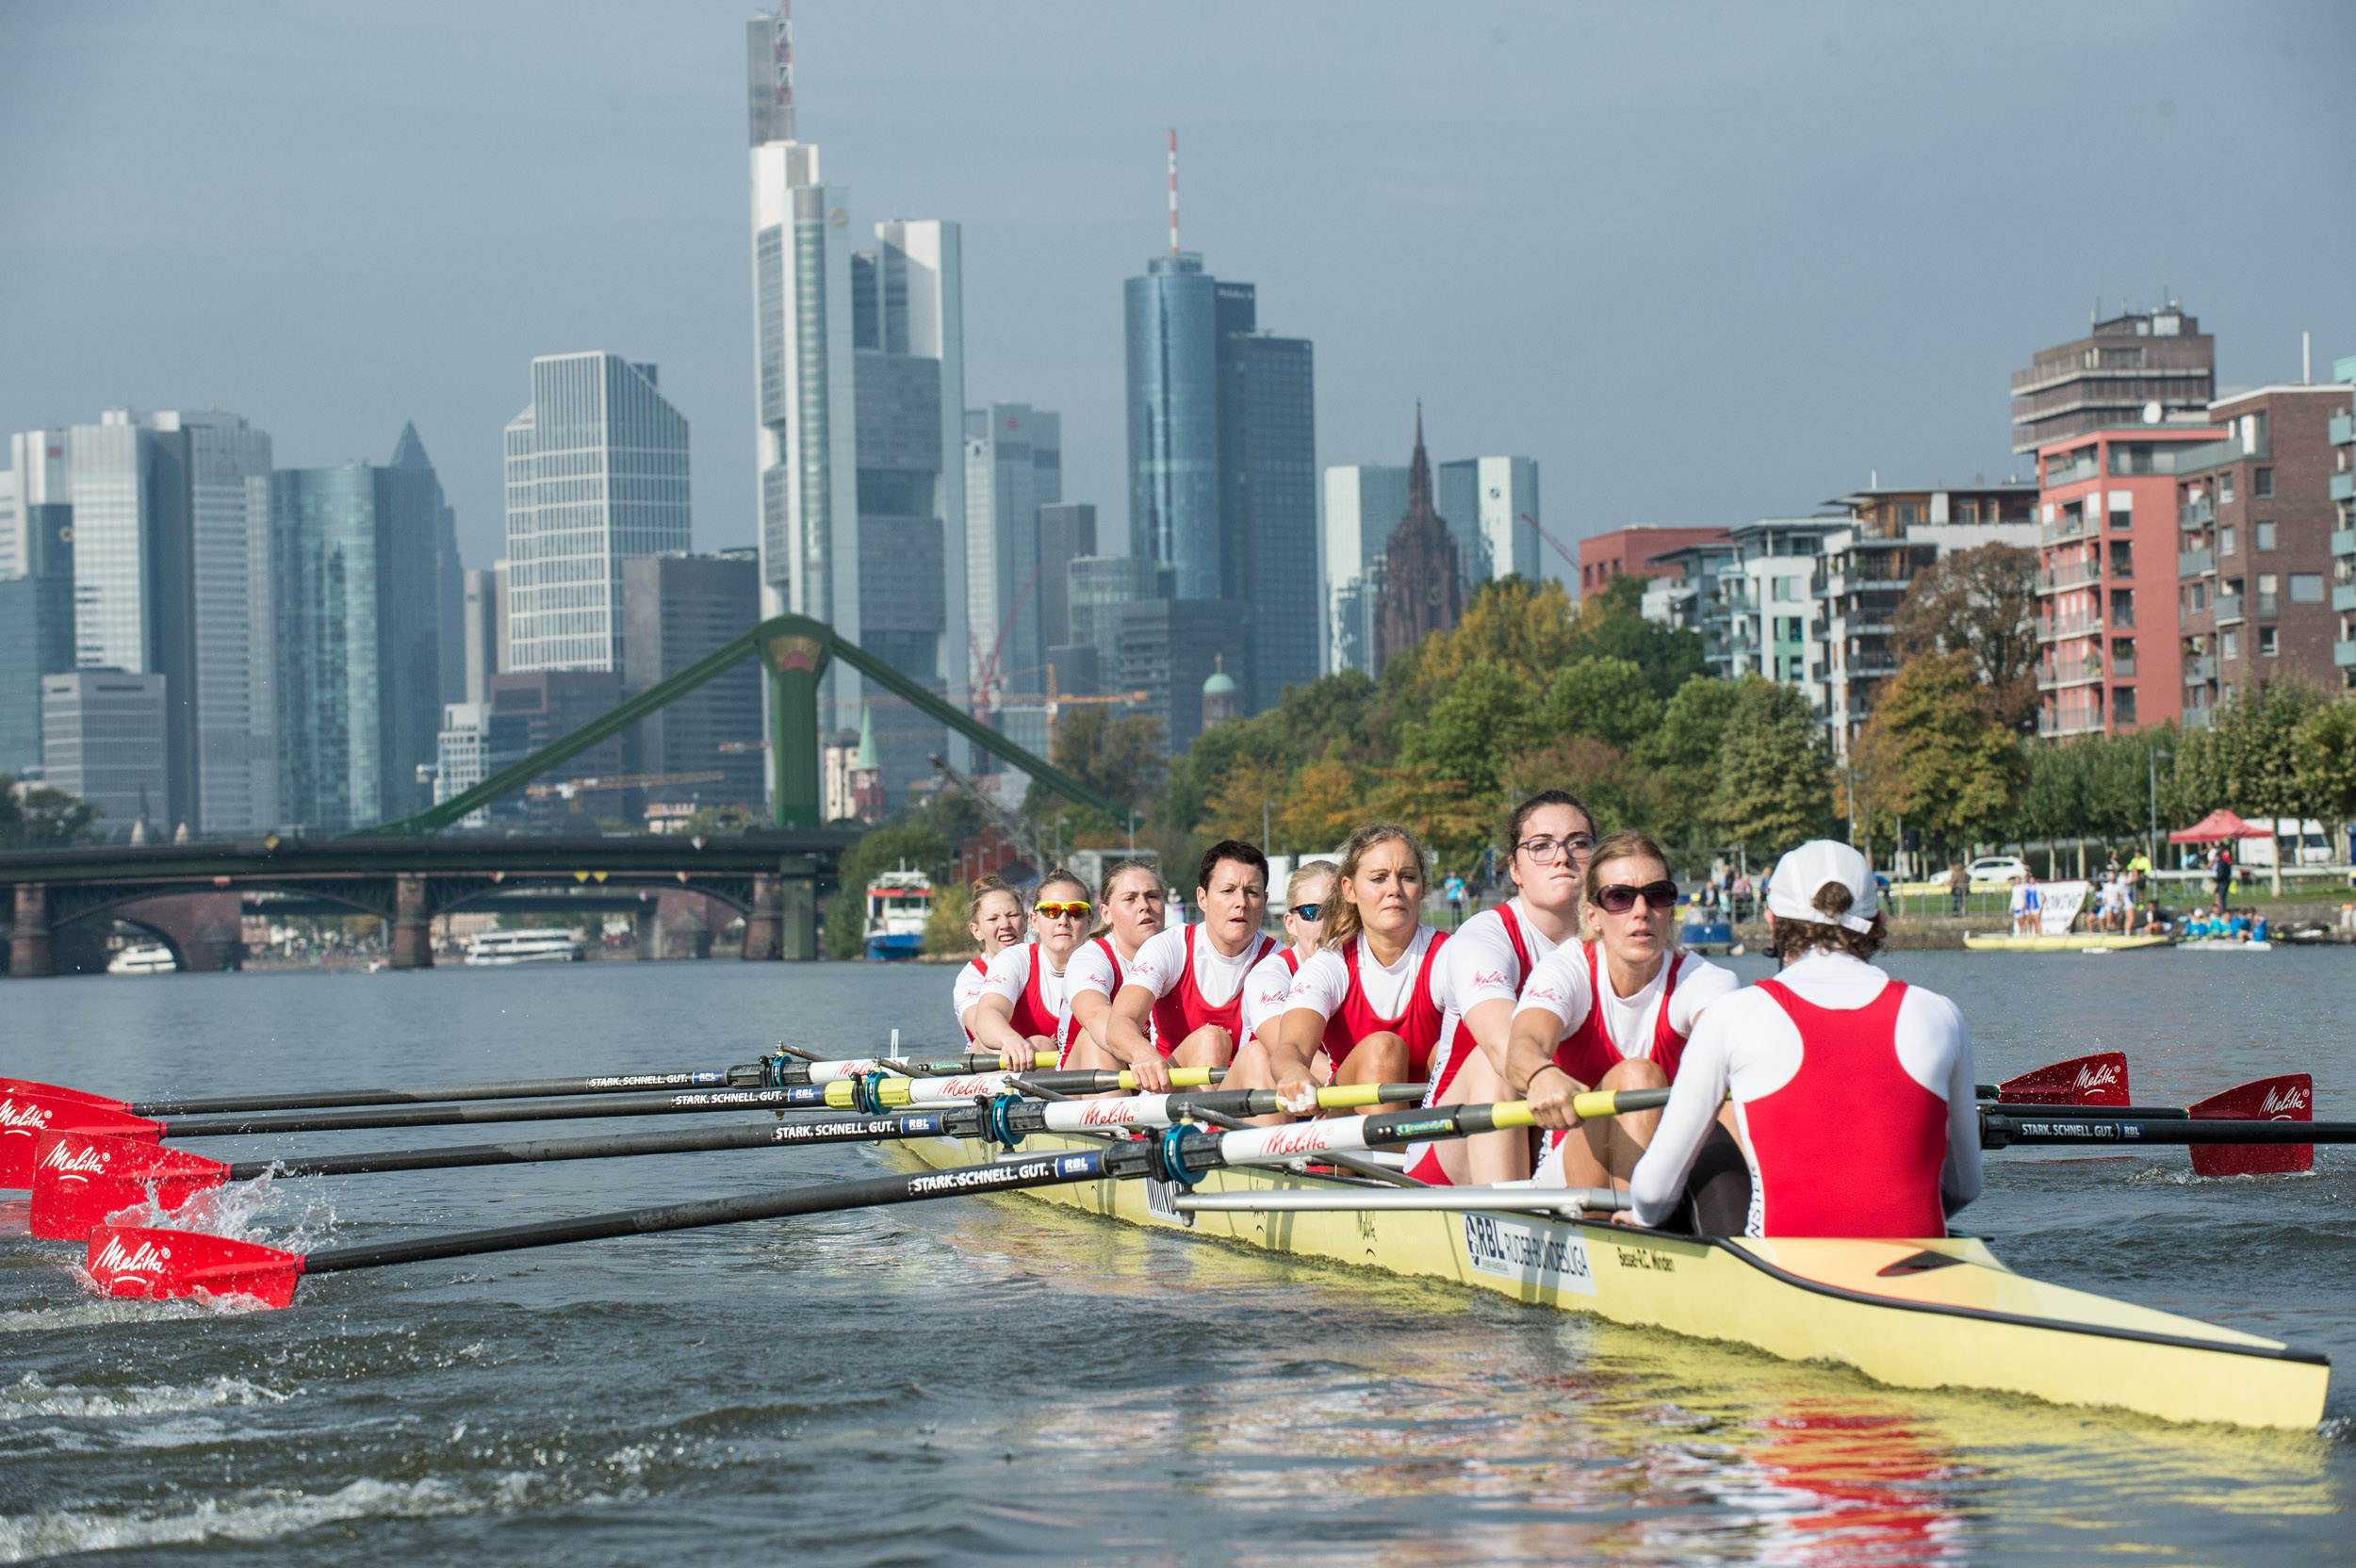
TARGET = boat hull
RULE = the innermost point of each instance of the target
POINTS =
(1964, 1322)
(2079, 941)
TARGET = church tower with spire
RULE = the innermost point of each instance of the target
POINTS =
(1423, 586)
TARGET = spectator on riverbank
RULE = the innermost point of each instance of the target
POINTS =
(2221, 868)
(2026, 901)
(1959, 884)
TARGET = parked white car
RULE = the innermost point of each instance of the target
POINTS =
(1999, 868)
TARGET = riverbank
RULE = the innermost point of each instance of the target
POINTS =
(1932, 933)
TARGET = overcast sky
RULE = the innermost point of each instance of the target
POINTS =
(1705, 262)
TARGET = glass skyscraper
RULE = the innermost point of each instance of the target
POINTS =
(597, 474)
(358, 610)
(1173, 321)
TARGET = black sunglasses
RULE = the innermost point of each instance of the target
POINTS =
(1619, 898)
(1308, 911)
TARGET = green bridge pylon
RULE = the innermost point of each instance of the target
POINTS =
(793, 651)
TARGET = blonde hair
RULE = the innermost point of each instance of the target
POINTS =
(1060, 877)
(1626, 844)
(1346, 922)
(1113, 874)
(1300, 876)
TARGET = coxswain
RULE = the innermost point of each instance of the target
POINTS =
(1546, 841)
(1268, 989)
(1129, 906)
(1852, 1090)
(1025, 1006)
(1362, 1010)
(993, 918)
(1610, 1012)
(1181, 1003)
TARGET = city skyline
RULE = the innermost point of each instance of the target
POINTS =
(1601, 301)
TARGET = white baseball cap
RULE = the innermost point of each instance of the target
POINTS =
(1815, 865)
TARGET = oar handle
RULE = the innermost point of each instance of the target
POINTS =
(1595, 1105)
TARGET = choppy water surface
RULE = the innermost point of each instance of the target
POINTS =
(993, 1379)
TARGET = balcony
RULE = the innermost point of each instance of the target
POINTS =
(2344, 541)
(2195, 563)
(2200, 671)
(2228, 609)
(2059, 474)
(2069, 526)
(2199, 717)
(2344, 487)
(2344, 654)
(2122, 668)
(2068, 672)
(2068, 627)
(2198, 514)
(2344, 596)
(2075, 574)
(2343, 430)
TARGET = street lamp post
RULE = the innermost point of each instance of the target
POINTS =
(2152, 767)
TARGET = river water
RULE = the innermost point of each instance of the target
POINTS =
(991, 1379)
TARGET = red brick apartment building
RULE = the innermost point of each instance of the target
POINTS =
(1629, 551)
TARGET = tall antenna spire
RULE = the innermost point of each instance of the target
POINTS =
(784, 83)
(1173, 192)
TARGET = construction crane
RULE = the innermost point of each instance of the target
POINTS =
(985, 673)
(569, 788)
(1054, 700)
(1007, 824)
(1560, 548)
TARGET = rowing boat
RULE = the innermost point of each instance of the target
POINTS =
(1926, 1314)
(2068, 941)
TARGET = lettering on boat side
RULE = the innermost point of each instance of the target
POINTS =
(1644, 1257)
(1549, 1256)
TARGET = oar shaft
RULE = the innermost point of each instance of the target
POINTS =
(818, 1198)
(2003, 1131)
(417, 1094)
(540, 1151)
(2088, 1113)
(572, 1108)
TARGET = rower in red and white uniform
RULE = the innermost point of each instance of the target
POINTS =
(1025, 1005)
(1364, 1010)
(1612, 1012)
(1187, 982)
(1131, 904)
(993, 918)
(1546, 842)
(1268, 989)
(1852, 1103)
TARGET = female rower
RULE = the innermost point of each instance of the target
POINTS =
(1025, 1005)
(1130, 905)
(1851, 1092)
(1187, 982)
(1308, 905)
(1365, 1002)
(1609, 1013)
(993, 918)
(1547, 841)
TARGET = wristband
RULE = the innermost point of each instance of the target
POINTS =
(1541, 1068)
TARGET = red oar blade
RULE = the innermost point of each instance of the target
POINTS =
(59, 1092)
(2289, 1098)
(23, 1117)
(2097, 1079)
(130, 1260)
(79, 1178)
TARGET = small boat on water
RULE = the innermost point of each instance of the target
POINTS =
(547, 945)
(142, 958)
(1939, 1313)
(1706, 934)
(2223, 944)
(2066, 941)
(898, 904)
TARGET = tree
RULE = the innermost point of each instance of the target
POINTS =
(1441, 811)
(1248, 795)
(915, 845)
(2247, 760)
(1930, 754)
(1608, 698)
(1618, 792)
(1117, 757)
(37, 817)
(2324, 754)
(1325, 806)
(1611, 625)
(1773, 789)
(1492, 712)
(1981, 603)
(1682, 753)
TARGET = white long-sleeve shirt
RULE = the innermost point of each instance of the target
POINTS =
(1745, 1046)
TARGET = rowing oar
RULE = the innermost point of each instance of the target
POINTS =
(2002, 1130)
(81, 1177)
(2220, 1129)
(140, 1261)
(777, 1071)
(2097, 1079)
(875, 1092)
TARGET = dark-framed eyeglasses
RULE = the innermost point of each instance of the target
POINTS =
(1077, 908)
(1545, 852)
(1619, 898)
(1308, 911)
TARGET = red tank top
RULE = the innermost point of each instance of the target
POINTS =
(1121, 977)
(1590, 1051)
(1851, 1146)
(1033, 1017)
(1184, 1010)
(1461, 1044)
(1417, 1023)
(980, 967)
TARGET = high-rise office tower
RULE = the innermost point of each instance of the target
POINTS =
(1067, 531)
(103, 735)
(1269, 504)
(909, 367)
(35, 624)
(1364, 502)
(172, 575)
(1491, 505)
(359, 640)
(1013, 467)
(37, 476)
(450, 576)
(479, 631)
(677, 608)
(596, 474)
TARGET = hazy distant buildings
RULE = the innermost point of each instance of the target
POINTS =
(479, 631)
(532, 709)
(359, 551)
(102, 738)
(1632, 551)
(35, 626)
(1364, 502)
(1423, 588)
(676, 609)
(1268, 500)
(2138, 367)
(450, 590)
(1491, 506)
(597, 474)
(1013, 467)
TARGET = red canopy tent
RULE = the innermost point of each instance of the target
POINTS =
(2219, 824)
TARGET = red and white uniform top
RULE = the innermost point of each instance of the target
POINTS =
(1853, 1094)
(1488, 958)
(1600, 1028)
(1095, 967)
(1269, 987)
(967, 992)
(1041, 995)
(1193, 983)
(1353, 997)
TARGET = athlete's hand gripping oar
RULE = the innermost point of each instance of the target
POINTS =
(777, 1071)
(875, 1094)
(140, 1261)
(81, 1177)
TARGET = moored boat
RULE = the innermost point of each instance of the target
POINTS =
(2223, 944)
(538, 946)
(2068, 941)
(1942, 1313)
(898, 904)
(142, 958)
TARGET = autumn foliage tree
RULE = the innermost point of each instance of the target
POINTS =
(1933, 756)
(1982, 604)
